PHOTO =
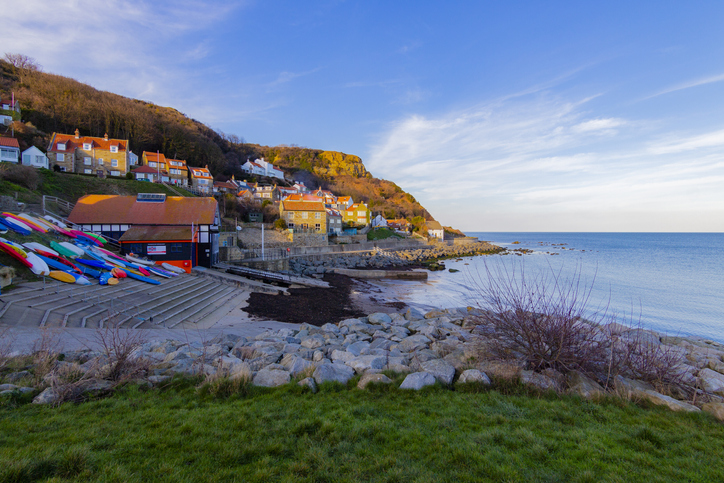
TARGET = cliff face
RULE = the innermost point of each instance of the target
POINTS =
(341, 164)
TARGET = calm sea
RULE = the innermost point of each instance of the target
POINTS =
(669, 282)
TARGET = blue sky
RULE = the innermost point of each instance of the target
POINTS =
(496, 116)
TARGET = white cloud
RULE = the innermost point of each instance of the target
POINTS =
(606, 125)
(688, 84)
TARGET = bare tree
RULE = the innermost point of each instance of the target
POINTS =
(22, 64)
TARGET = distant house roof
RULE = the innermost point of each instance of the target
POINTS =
(9, 142)
(433, 225)
(176, 210)
(71, 142)
(147, 169)
(306, 198)
(357, 206)
(224, 184)
(201, 173)
(303, 205)
(157, 233)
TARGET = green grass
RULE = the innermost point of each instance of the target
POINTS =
(381, 234)
(347, 435)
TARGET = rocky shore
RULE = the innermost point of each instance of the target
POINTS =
(441, 346)
(389, 258)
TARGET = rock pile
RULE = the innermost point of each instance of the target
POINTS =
(385, 258)
(441, 346)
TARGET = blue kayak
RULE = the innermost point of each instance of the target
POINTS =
(94, 263)
(14, 226)
(141, 277)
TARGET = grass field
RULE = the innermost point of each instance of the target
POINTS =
(345, 435)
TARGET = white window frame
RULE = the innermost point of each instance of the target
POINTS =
(115, 173)
(114, 163)
(61, 146)
(100, 161)
(87, 146)
(60, 157)
(87, 161)
(152, 164)
(88, 171)
(114, 149)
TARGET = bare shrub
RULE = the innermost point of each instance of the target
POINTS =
(545, 321)
(26, 176)
(118, 346)
(6, 347)
(45, 352)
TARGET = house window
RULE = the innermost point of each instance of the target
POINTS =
(62, 168)
(60, 157)
(317, 226)
(88, 171)
(361, 214)
(290, 225)
(304, 214)
(86, 146)
(114, 163)
(152, 164)
(100, 161)
(115, 173)
(61, 146)
(87, 161)
(114, 149)
(318, 215)
(175, 248)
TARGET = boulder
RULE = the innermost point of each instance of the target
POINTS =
(379, 318)
(333, 372)
(712, 381)
(441, 369)
(417, 380)
(362, 364)
(309, 383)
(358, 348)
(271, 378)
(413, 343)
(583, 386)
(714, 408)
(373, 379)
(48, 396)
(474, 375)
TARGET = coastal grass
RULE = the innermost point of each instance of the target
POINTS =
(342, 434)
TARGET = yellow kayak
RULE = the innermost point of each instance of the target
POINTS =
(62, 276)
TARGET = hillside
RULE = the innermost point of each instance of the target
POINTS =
(52, 103)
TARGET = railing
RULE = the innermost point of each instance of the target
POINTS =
(58, 202)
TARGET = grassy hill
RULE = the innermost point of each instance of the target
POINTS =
(52, 103)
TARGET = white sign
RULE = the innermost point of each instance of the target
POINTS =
(156, 249)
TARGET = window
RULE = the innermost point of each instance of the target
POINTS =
(87, 161)
(86, 146)
(304, 214)
(61, 146)
(318, 215)
(100, 161)
(115, 173)
(114, 149)
(175, 248)
(60, 157)
(361, 214)
(88, 171)
(152, 164)
(62, 168)
(114, 163)
(290, 225)
(317, 226)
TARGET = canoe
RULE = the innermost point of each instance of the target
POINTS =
(38, 221)
(22, 257)
(77, 250)
(62, 276)
(159, 272)
(141, 277)
(94, 263)
(25, 223)
(90, 272)
(110, 253)
(39, 267)
(59, 263)
(139, 260)
(172, 268)
(62, 250)
(100, 239)
(35, 246)
(55, 221)
(17, 226)
(81, 235)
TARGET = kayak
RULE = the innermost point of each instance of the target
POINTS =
(14, 252)
(139, 260)
(94, 263)
(17, 226)
(119, 273)
(24, 223)
(62, 250)
(37, 221)
(62, 276)
(77, 250)
(173, 268)
(59, 263)
(35, 246)
(38, 266)
(141, 277)
(99, 238)
(91, 272)
(159, 272)
(55, 221)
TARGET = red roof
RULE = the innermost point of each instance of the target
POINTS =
(112, 209)
(9, 142)
(147, 169)
(97, 143)
(303, 205)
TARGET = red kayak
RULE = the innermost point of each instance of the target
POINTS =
(10, 250)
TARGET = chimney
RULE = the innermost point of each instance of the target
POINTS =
(77, 134)
(105, 137)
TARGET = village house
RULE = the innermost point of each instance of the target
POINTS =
(357, 214)
(379, 221)
(9, 150)
(400, 224)
(343, 202)
(334, 221)
(35, 157)
(304, 216)
(174, 229)
(435, 230)
(172, 171)
(88, 155)
(201, 180)
(260, 167)
(266, 192)
(9, 110)
(147, 173)
(245, 196)
(224, 187)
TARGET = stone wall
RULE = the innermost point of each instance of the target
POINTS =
(310, 239)
(347, 239)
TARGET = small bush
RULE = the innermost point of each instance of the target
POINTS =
(280, 224)
(26, 176)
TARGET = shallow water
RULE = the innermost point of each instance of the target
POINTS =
(669, 282)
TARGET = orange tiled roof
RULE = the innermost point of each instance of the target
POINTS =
(303, 197)
(112, 209)
(303, 205)
(201, 173)
(9, 142)
(183, 163)
(96, 143)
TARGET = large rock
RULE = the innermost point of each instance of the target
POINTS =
(362, 364)
(417, 380)
(48, 396)
(474, 375)
(413, 343)
(271, 378)
(380, 318)
(583, 386)
(712, 381)
(333, 372)
(373, 379)
(340, 355)
(633, 389)
(539, 381)
(442, 370)
(358, 348)
(714, 408)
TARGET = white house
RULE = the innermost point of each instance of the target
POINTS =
(9, 150)
(262, 168)
(378, 220)
(132, 158)
(35, 157)
(435, 229)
